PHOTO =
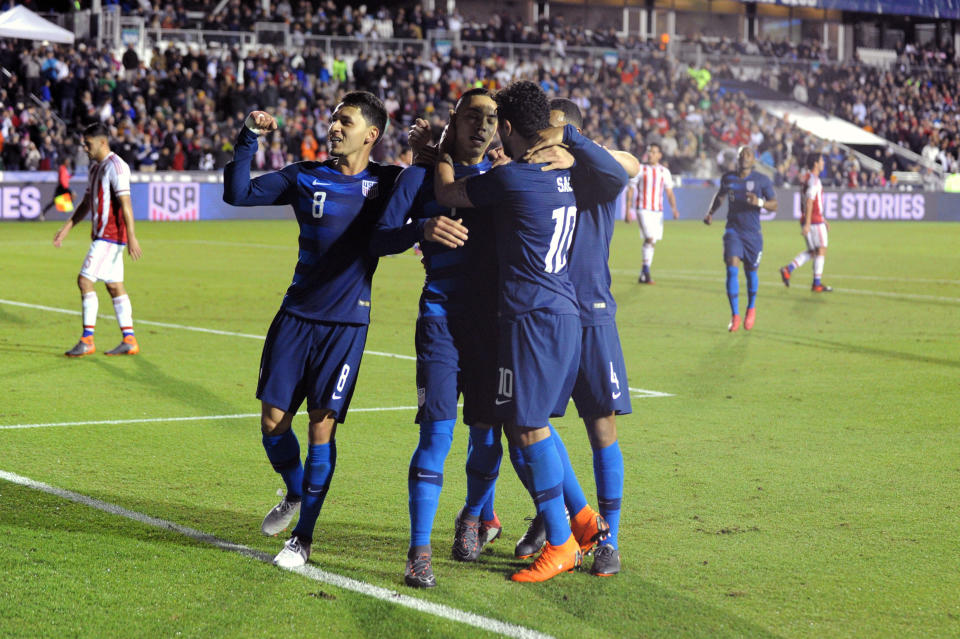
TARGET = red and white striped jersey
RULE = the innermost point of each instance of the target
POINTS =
(109, 180)
(813, 190)
(649, 185)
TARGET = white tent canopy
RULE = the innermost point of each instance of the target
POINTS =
(21, 22)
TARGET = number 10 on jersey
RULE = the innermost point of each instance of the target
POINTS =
(565, 220)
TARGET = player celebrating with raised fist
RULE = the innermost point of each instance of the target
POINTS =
(314, 346)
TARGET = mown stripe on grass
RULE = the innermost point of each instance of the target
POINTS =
(197, 329)
(194, 418)
(311, 572)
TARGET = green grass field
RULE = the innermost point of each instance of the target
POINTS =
(802, 480)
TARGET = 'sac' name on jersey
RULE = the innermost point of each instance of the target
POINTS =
(563, 185)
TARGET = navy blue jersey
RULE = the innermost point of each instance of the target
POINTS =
(336, 213)
(457, 279)
(742, 216)
(598, 180)
(535, 215)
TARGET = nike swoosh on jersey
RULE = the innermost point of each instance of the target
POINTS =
(335, 396)
(319, 183)
(499, 403)
(427, 476)
(616, 395)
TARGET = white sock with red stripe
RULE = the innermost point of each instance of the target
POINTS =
(647, 254)
(124, 312)
(799, 260)
(90, 303)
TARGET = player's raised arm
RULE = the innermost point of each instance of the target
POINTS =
(81, 212)
(238, 188)
(392, 233)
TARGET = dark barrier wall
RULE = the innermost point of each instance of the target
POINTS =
(23, 199)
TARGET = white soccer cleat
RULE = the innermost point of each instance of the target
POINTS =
(279, 517)
(294, 554)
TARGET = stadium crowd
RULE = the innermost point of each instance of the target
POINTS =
(180, 110)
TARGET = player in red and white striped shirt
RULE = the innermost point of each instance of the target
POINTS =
(813, 227)
(645, 196)
(108, 201)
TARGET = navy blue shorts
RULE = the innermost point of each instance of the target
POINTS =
(539, 355)
(747, 246)
(438, 369)
(308, 359)
(478, 336)
(601, 387)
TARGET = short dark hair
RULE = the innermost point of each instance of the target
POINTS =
(812, 158)
(525, 105)
(571, 112)
(96, 130)
(469, 94)
(655, 144)
(371, 108)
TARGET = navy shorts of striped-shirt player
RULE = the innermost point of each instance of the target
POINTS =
(601, 387)
(747, 246)
(539, 355)
(313, 360)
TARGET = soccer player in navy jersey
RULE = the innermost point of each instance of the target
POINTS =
(455, 325)
(316, 340)
(748, 194)
(601, 391)
(534, 215)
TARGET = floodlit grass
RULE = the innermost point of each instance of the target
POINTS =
(802, 481)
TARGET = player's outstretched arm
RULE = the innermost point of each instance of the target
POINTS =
(445, 230)
(628, 161)
(238, 188)
(78, 215)
(391, 234)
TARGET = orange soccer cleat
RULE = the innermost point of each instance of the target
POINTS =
(589, 527)
(734, 324)
(551, 562)
(750, 319)
(84, 347)
(128, 346)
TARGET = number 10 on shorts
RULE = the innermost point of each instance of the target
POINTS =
(505, 387)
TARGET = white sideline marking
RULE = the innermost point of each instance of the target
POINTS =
(183, 327)
(640, 393)
(839, 276)
(311, 572)
(853, 291)
(197, 418)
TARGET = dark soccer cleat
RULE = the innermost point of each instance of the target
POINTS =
(821, 288)
(606, 561)
(532, 540)
(644, 278)
(466, 537)
(419, 572)
(785, 276)
(83, 347)
(128, 346)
